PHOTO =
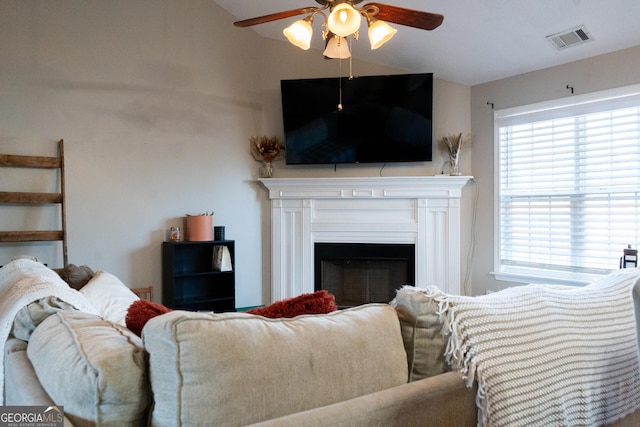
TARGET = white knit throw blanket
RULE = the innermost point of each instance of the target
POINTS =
(24, 281)
(548, 355)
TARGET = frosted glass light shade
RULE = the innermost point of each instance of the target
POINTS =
(337, 48)
(344, 20)
(379, 33)
(299, 33)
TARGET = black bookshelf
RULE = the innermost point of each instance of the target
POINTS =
(189, 281)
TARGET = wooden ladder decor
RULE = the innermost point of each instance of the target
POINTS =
(8, 160)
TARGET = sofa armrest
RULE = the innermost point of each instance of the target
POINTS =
(441, 400)
(20, 380)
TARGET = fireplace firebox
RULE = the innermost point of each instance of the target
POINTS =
(360, 273)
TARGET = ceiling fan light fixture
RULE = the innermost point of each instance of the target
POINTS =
(337, 47)
(299, 33)
(344, 20)
(379, 33)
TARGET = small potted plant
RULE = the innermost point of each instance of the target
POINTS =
(200, 227)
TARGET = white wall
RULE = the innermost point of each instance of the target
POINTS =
(156, 100)
(155, 111)
(603, 72)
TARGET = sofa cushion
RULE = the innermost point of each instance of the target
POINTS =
(422, 333)
(96, 369)
(109, 296)
(237, 369)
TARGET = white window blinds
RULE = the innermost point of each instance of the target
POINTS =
(568, 196)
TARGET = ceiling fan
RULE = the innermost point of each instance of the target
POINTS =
(344, 20)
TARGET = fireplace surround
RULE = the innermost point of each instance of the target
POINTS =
(421, 211)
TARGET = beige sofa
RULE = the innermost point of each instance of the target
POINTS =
(346, 368)
(377, 364)
(343, 369)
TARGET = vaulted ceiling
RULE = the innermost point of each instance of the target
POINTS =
(479, 41)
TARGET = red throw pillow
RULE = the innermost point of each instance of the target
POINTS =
(320, 302)
(140, 312)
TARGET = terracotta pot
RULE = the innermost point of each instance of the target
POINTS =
(199, 228)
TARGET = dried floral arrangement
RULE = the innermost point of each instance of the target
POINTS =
(266, 148)
(455, 143)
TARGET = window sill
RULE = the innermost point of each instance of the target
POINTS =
(551, 278)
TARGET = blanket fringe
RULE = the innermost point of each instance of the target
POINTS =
(458, 353)
(483, 405)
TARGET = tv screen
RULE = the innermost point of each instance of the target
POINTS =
(372, 119)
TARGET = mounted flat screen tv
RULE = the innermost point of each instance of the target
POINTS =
(372, 119)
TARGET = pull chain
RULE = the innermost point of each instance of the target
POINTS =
(350, 74)
(340, 87)
(350, 62)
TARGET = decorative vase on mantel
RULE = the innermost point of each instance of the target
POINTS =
(454, 163)
(266, 150)
(266, 170)
(453, 144)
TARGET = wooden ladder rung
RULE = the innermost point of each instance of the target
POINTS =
(31, 236)
(29, 161)
(29, 198)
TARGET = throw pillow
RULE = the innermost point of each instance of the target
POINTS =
(320, 302)
(109, 296)
(422, 332)
(75, 276)
(140, 312)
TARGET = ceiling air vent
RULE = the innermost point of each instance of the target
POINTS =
(571, 37)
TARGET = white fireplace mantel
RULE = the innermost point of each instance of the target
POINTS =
(424, 211)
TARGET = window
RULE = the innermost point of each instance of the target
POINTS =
(568, 186)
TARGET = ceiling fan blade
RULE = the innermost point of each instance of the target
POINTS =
(408, 17)
(275, 16)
